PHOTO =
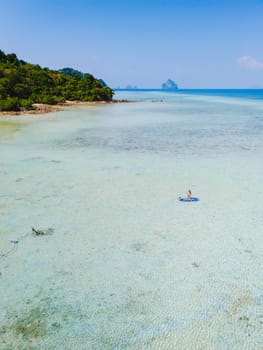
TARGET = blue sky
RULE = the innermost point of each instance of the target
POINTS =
(199, 44)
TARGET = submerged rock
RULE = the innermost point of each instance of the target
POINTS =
(45, 232)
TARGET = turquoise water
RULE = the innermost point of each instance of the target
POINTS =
(240, 93)
(129, 266)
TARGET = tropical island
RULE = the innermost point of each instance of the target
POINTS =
(25, 86)
(170, 85)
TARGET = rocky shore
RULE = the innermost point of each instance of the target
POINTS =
(41, 108)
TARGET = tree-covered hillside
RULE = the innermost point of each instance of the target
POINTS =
(22, 84)
(72, 72)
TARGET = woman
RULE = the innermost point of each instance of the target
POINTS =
(189, 194)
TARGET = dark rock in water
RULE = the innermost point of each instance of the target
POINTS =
(194, 264)
(170, 85)
(45, 232)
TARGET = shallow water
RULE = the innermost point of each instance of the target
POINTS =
(8, 127)
(128, 265)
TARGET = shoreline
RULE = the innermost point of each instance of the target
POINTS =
(41, 108)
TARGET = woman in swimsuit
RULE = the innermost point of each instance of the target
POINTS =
(189, 194)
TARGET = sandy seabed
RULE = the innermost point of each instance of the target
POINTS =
(128, 266)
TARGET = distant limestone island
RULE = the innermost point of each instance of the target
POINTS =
(169, 85)
(28, 87)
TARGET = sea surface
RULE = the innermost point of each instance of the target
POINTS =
(123, 264)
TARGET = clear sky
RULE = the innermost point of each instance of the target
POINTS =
(197, 43)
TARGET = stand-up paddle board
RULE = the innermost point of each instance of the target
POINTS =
(186, 199)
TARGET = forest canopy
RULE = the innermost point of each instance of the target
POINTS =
(22, 84)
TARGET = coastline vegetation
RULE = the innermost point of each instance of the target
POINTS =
(24, 84)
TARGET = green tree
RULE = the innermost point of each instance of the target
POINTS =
(22, 84)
